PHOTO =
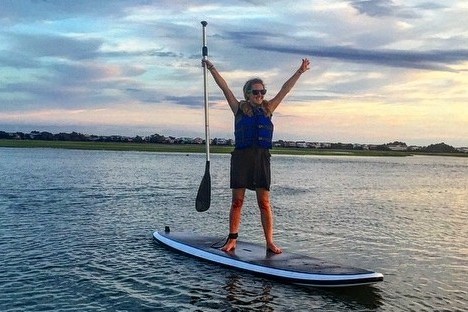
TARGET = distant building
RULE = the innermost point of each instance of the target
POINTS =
(314, 145)
(301, 144)
(220, 141)
(397, 147)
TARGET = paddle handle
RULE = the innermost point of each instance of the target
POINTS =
(205, 93)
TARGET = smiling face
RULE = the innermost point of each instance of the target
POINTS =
(257, 93)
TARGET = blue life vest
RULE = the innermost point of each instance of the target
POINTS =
(251, 131)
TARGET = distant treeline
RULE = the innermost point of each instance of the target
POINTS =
(161, 139)
(80, 137)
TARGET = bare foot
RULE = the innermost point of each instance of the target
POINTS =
(230, 245)
(273, 248)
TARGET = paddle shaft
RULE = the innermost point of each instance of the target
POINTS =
(205, 93)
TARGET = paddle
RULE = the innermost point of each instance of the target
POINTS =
(202, 203)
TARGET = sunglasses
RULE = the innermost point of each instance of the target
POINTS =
(257, 92)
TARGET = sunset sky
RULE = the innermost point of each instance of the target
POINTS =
(381, 70)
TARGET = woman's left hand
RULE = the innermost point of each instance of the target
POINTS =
(304, 66)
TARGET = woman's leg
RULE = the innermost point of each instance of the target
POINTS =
(266, 213)
(235, 217)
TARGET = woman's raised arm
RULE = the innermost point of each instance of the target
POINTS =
(287, 86)
(222, 84)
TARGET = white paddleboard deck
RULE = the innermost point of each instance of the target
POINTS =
(289, 267)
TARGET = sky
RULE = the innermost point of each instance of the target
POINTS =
(382, 70)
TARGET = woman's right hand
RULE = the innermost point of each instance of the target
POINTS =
(207, 63)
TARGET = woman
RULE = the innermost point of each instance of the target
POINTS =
(250, 160)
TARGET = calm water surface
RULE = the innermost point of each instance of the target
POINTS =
(75, 232)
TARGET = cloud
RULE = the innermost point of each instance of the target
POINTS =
(13, 11)
(388, 8)
(84, 84)
(16, 60)
(439, 60)
(43, 45)
(197, 101)
(377, 8)
(430, 6)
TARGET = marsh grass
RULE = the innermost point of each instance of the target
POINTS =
(182, 148)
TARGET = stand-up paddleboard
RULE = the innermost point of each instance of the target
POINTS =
(288, 267)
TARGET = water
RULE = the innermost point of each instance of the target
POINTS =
(76, 226)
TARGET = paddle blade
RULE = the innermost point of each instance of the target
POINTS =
(203, 200)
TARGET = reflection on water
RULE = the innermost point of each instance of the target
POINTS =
(243, 294)
(241, 297)
(75, 231)
(368, 297)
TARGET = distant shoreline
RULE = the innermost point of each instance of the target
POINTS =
(200, 148)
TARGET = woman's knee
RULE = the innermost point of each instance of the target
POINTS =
(264, 205)
(237, 203)
(263, 200)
